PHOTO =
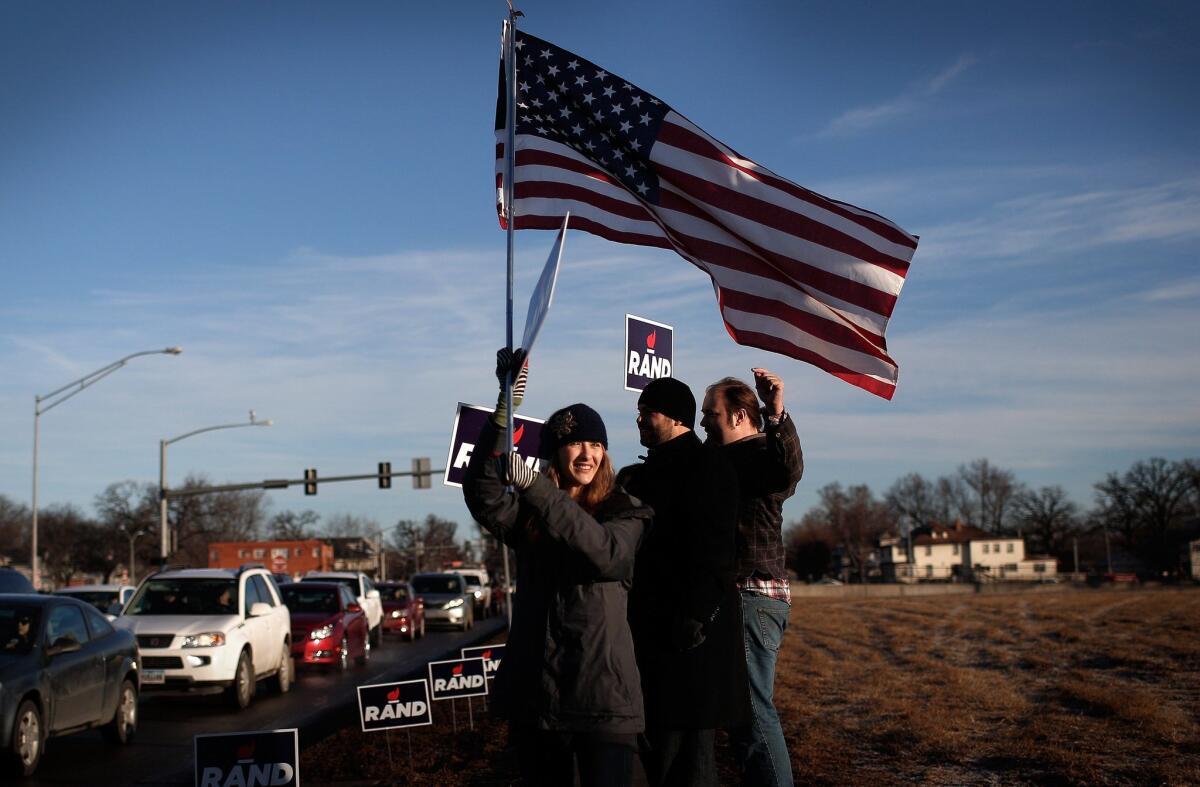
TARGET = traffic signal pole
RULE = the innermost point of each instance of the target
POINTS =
(284, 483)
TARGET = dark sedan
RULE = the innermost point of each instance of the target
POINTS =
(63, 669)
(328, 625)
(403, 609)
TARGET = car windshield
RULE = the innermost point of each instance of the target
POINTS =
(18, 625)
(100, 599)
(350, 582)
(438, 583)
(472, 579)
(206, 596)
(393, 592)
(302, 599)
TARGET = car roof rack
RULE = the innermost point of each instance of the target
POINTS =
(247, 566)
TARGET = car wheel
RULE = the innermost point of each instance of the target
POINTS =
(27, 739)
(283, 678)
(242, 690)
(422, 628)
(366, 654)
(123, 726)
(343, 655)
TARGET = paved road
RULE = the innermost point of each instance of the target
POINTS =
(162, 751)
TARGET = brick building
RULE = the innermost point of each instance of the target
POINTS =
(283, 557)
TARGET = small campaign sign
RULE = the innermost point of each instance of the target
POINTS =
(387, 706)
(492, 655)
(235, 759)
(457, 678)
(468, 421)
(649, 348)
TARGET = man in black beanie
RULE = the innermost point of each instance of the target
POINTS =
(684, 608)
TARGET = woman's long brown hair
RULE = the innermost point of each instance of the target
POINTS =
(594, 493)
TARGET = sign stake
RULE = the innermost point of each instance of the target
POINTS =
(471, 713)
(388, 737)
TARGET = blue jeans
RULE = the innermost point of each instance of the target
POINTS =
(760, 750)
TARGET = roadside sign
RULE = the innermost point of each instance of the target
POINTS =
(492, 655)
(457, 678)
(387, 706)
(649, 349)
(468, 421)
(543, 293)
(267, 757)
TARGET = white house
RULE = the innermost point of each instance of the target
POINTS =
(961, 553)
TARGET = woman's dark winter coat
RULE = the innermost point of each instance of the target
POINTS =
(569, 664)
(684, 583)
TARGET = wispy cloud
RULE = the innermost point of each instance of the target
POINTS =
(912, 99)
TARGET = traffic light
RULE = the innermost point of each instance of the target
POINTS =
(310, 481)
(385, 475)
(421, 474)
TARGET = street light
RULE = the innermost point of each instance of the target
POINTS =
(134, 536)
(162, 475)
(54, 399)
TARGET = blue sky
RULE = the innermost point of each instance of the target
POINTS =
(301, 196)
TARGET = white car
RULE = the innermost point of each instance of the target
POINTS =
(109, 599)
(211, 628)
(364, 592)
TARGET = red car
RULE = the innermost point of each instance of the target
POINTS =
(403, 610)
(328, 625)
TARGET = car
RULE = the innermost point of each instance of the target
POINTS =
(479, 588)
(109, 599)
(328, 625)
(403, 610)
(63, 669)
(446, 599)
(364, 591)
(211, 629)
(13, 581)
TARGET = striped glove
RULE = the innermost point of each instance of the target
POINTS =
(515, 361)
(513, 471)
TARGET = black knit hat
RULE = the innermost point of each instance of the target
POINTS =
(574, 423)
(672, 398)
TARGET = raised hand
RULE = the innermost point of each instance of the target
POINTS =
(770, 390)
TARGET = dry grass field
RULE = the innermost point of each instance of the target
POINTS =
(1073, 687)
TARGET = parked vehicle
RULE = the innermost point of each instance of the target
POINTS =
(364, 592)
(13, 581)
(403, 610)
(328, 625)
(205, 629)
(480, 590)
(109, 599)
(446, 599)
(63, 669)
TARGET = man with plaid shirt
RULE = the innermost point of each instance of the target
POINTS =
(769, 464)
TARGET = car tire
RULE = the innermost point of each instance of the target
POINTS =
(343, 662)
(422, 628)
(242, 691)
(366, 654)
(123, 725)
(286, 674)
(28, 739)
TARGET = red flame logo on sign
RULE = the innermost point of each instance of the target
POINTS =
(651, 339)
(487, 654)
(457, 670)
(394, 695)
(518, 434)
(245, 752)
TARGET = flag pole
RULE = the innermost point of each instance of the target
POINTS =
(510, 142)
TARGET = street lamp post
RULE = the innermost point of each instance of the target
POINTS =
(52, 400)
(164, 546)
(133, 537)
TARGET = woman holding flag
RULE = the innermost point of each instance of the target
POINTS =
(569, 683)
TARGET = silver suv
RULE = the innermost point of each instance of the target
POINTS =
(211, 628)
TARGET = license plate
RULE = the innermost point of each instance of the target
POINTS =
(153, 676)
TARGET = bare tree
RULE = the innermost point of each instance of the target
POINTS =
(14, 531)
(64, 543)
(854, 518)
(1047, 517)
(992, 490)
(124, 508)
(293, 526)
(1145, 505)
(199, 520)
(916, 501)
(425, 545)
(809, 546)
(350, 526)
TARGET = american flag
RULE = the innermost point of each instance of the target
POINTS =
(795, 272)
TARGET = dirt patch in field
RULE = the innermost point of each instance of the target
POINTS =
(1088, 687)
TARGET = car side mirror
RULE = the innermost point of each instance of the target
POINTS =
(353, 608)
(259, 608)
(372, 593)
(63, 645)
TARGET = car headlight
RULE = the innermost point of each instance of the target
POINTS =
(396, 613)
(209, 639)
(321, 633)
(478, 594)
(457, 602)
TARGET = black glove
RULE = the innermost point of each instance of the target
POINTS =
(510, 361)
(687, 634)
(512, 470)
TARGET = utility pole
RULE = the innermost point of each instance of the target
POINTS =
(1075, 548)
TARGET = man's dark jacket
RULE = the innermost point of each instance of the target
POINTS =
(684, 579)
(569, 665)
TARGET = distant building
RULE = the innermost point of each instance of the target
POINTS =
(294, 558)
(961, 553)
(355, 554)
